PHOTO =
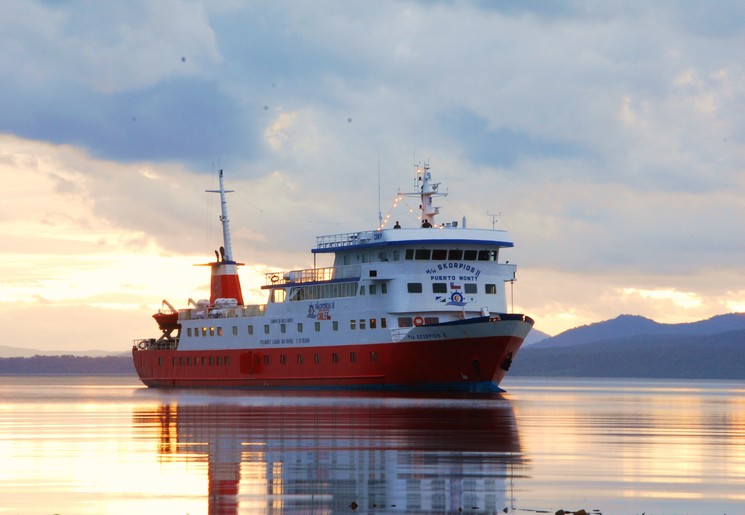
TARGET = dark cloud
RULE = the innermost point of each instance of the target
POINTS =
(503, 146)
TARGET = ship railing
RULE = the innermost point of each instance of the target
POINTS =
(198, 313)
(346, 239)
(153, 344)
(312, 275)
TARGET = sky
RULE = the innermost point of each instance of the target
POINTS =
(608, 138)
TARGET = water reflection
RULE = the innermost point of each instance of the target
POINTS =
(277, 453)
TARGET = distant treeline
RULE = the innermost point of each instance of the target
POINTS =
(67, 365)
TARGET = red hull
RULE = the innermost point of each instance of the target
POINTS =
(464, 364)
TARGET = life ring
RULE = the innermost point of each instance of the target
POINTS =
(275, 278)
(231, 313)
(418, 321)
(142, 345)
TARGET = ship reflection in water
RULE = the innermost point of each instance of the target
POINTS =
(366, 453)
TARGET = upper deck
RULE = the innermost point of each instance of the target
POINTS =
(445, 235)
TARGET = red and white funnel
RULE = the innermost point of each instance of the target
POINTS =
(225, 283)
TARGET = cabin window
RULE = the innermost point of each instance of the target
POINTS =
(490, 289)
(188, 361)
(212, 331)
(439, 254)
(373, 289)
(266, 359)
(470, 255)
(396, 255)
(470, 288)
(300, 327)
(353, 324)
(373, 356)
(282, 359)
(362, 323)
(431, 320)
(299, 359)
(266, 328)
(160, 361)
(250, 329)
(181, 361)
(439, 288)
(352, 357)
(455, 254)
(373, 323)
(317, 326)
(219, 361)
(204, 331)
(405, 322)
(414, 287)
(212, 361)
(283, 328)
(334, 357)
(422, 254)
(487, 255)
(235, 330)
(204, 361)
(373, 273)
(219, 331)
(188, 332)
(227, 360)
(383, 323)
(409, 254)
(384, 288)
(335, 325)
(317, 358)
(362, 289)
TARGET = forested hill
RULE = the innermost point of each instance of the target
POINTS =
(635, 346)
(68, 365)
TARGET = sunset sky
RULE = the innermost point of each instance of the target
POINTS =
(609, 137)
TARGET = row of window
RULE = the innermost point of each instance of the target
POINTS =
(422, 255)
(451, 255)
(204, 361)
(191, 361)
(205, 331)
(354, 324)
(489, 289)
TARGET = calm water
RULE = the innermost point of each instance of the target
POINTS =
(108, 445)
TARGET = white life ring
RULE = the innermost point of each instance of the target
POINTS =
(418, 321)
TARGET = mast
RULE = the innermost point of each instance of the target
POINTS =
(427, 190)
(225, 283)
(227, 250)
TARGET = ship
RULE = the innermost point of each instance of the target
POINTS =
(401, 308)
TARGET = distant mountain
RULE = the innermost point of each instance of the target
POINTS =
(535, 336)
(633, 325)
(635, 346)
(715, 356)
(68, 365)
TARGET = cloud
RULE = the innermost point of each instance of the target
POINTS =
(609, 136)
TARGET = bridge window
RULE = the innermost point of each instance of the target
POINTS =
(470, 288)
(490, 289)
(439, 288)
(455, 255)
(409, 254)
(439, 254)
(422, 254)
(470, 255)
